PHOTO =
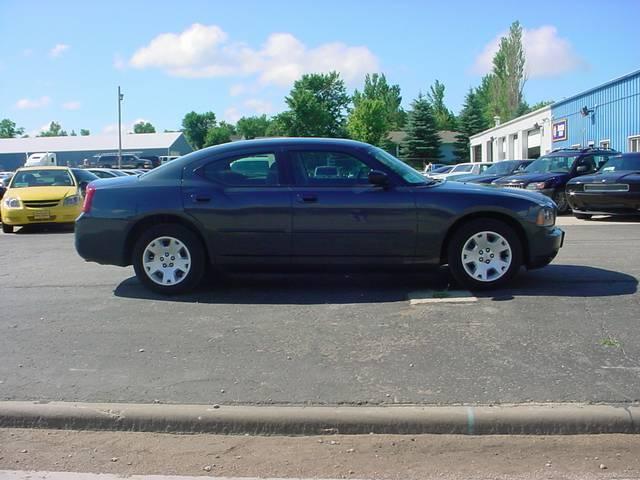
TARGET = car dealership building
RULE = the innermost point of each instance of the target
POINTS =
(605, 116)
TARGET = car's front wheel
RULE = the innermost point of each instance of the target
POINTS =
(7, 228)
(484, 253)
(560, 197)
(169, 259)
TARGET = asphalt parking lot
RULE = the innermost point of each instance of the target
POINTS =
(76, 331)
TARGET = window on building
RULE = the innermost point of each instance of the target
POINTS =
(634, 143)
(576, 145)
(605, 143)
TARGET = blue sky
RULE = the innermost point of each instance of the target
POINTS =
(64, 60)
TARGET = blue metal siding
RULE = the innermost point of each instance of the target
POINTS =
(615, 117)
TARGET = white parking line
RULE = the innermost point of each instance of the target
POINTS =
(36, 475)
(441, 296)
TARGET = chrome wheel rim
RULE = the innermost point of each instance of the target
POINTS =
(486, 256)
(561, 201)
(166, 261)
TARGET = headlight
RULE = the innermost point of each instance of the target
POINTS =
(72, 200)
(546, 217)
(12, 202)
(536, 186)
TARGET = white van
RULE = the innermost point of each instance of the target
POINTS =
(41, 160)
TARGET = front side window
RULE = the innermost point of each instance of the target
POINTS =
(42, 178)
(259, 170)
(329, 169)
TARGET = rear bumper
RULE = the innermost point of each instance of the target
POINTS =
(102, 240)
(544, 247)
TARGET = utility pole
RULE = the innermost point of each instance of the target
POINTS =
(120, 98)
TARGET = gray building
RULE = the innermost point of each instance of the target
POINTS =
(73, 150)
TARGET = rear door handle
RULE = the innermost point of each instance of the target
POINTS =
(307, 197)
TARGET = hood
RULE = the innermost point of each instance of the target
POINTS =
(527, 178)
(609, 177)
(474, 188)
(42, 193)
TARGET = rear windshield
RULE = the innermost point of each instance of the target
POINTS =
(42, 178)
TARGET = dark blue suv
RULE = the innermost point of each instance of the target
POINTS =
(550, 173)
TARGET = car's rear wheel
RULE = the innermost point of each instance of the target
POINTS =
(7, 228)
(169, 259)
(560, 197)
(582, 216)
(484, 253)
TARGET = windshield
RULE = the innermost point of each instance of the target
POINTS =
(552, 164)
(442, 170)
(462, 168)
(502, 168)
(42, 178)
(409, 174)
(621, 163)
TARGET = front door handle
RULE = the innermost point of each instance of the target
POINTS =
(201, 198)
(308, 197)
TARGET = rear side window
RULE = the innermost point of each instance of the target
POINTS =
(250, 170)
(329, 169)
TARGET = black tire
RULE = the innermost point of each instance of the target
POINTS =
(560, 197)
(464, 233)
(195, 251)
(7, 228)
(582, 216)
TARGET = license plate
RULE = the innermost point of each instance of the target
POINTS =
(41, 214)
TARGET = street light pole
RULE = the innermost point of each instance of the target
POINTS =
(120, 98)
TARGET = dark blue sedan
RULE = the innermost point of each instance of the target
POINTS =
(496, 171)
(309, 203)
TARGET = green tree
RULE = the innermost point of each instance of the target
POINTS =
(507, 79)
(280, 125)
(376, 110)
(55, 130)
(84, 132)
(369, 122)
(471, 120)
(144, 127)
(8, 129)
(195, 127)
(253, 127)
(422, 143)
(73, 133)
(445, 119)
(318, 105)
(219, 134)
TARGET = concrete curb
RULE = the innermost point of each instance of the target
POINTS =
(525, 419)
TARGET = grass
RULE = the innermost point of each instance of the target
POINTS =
(441, 294)
(610, 342)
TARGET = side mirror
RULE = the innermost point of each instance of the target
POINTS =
(378, 178)
(582, 169)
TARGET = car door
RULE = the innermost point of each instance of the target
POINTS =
(339, 216)
(243, 206)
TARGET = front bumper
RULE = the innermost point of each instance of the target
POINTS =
(610, 203)
(18, 217)
(544, 246)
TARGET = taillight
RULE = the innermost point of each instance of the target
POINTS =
(88, 198)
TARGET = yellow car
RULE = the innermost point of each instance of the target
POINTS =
(39, 195)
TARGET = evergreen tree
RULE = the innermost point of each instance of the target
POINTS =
(470, 121)
(422, 144)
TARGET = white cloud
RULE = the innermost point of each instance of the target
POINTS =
(259, 106)
(72, 105)
(28, 103)
(126, 127)
(546, 52)
(203, 51)
(37, 131)
(58, 50)
(232, 114)
(237, 89)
